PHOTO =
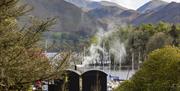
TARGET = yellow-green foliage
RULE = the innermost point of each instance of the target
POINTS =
(126, 86)
(160, 72)
(94, 40)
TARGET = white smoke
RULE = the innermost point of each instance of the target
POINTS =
(117, 48)
(98, 52)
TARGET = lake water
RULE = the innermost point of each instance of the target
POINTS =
(121, 74)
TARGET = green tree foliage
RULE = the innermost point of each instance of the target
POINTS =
(126, 86)
(174, 34)
(21, 59)
(62, 41)
(160, 72)
(158, 40)
(94, 40)
(141, 40)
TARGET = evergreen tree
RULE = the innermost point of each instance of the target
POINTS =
(21, 59)
(174, 35)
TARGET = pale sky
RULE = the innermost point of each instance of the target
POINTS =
(133, 4)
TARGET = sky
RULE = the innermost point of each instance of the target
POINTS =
(133, 4)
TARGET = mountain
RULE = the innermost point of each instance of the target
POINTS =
(95, 5)
(79, 3)
(170, 13)
(106, 15)
(70, 18)
(112, 16)
(106, 11)
(89, 5)
(153, 5)
(107, 3)
(77, 21)
(128, 15)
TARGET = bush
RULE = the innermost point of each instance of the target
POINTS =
(160, 72)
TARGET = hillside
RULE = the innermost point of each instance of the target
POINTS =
(152, 6)
(79, 3)
(112, 16)
(89, 5)
(70, 17)
(170, 13)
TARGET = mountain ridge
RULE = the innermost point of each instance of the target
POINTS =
(170, 13)
(153, 5)
(72, 18)
(89, 5)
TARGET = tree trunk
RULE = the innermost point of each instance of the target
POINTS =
(133, 61)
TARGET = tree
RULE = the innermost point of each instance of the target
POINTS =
(158, 40)
(126, 86)
(147, 37)
(22, 61)
(174, 34)
(160, 72)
